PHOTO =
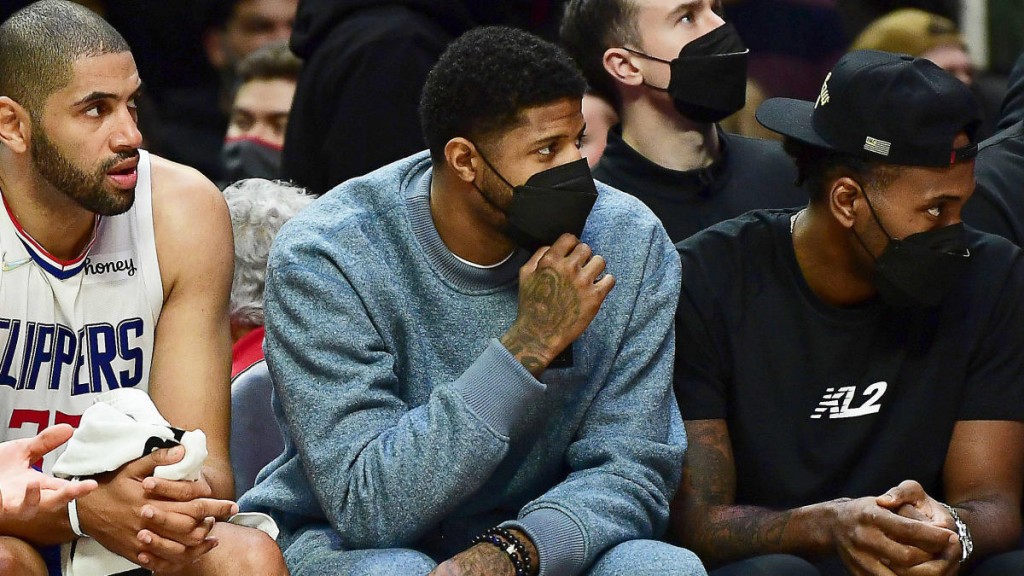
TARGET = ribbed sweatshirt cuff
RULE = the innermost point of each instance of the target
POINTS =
(558, 539)
(498, 388)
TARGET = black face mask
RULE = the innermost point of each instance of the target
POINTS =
(919, 270)
(249, 158)
(551, 203)
(709, 78)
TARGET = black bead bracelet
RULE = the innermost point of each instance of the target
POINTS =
(505, 541)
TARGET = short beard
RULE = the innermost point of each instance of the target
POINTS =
(491, 190)
(85, 189)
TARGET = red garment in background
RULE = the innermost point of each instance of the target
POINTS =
(247, 351)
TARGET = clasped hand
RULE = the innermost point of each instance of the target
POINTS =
(163, 525)
(904, 532)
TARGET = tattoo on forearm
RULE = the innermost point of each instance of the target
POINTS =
(739, 531)
(710, 475)
(716, 526)
(482, 560)
(747, 528)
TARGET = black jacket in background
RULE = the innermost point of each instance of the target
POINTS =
(997, 205)
(356, 104)
(751, 174)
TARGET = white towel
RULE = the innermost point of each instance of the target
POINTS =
(124, 425)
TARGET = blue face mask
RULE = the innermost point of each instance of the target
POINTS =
(250, 158)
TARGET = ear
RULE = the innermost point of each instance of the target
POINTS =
(460, 154)
(15, 126)
(842, 196)
(619, 63)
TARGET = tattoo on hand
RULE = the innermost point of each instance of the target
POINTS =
(549, 305)
(480, 560)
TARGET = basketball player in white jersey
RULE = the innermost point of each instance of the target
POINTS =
(115, 269)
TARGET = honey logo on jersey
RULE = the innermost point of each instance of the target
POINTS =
(110, 267)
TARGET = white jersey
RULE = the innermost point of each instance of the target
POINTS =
(71, 329)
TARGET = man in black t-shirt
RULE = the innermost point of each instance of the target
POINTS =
(673, 70)
(850, 374)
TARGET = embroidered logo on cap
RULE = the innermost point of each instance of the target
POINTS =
(823, 96)
(877, 146)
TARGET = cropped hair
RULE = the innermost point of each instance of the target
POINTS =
(40, 43)
(486, 78)
(258, 209)
(588, 29)
(816, 167)
(272, 62)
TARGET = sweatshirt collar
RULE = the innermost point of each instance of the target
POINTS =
(460, 275)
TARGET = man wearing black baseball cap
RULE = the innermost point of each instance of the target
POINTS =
(850, 374)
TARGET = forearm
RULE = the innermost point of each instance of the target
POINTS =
(427, 459)
(722, 534)
(406, 478)
(46, 529)
(580, 519)
(218, 475)
(995, 524)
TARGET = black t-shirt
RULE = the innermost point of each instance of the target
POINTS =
(752, 173)
(824, 402)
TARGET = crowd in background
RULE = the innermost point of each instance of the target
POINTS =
(188, 51)
(315, 93)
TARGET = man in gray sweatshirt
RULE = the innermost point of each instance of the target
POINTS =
(472, 349)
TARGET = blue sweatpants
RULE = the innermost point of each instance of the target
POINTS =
(315, 553)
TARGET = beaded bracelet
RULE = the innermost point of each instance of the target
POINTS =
(515, 542)
(510, 545)
(509, 550)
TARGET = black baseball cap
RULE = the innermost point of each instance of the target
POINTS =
(883, 106)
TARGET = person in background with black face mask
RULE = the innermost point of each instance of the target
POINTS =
(472, 348)
(850, 374)
(673, 70)
(259, 114)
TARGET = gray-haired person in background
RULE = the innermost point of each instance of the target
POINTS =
(258, 208)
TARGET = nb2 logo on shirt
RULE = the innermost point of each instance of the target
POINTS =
(110, 267)
(836, 402)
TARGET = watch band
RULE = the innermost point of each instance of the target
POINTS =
(964, 533)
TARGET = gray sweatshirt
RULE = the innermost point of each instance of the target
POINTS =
(408, 424)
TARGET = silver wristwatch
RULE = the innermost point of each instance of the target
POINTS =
(966, 543)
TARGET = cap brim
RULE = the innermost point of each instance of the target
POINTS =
(790, 117)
